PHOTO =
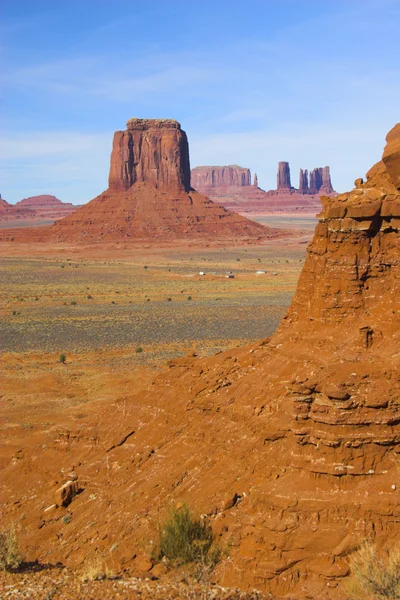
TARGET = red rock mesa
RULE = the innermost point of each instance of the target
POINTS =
(149, 195)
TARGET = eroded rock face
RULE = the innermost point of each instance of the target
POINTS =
(303, 182)
(203, 178)
(152, 151)
(391, 155)
(283, 176)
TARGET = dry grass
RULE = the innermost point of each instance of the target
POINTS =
(97, 570)
(10, 556)
(375, 575)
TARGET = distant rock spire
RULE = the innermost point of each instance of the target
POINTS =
(255, 183)
(320, 181)
(283, 178)
(326, 186)
(303, 182)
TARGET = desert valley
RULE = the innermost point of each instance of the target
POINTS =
(164, 358)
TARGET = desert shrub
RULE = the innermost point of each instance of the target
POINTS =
(139, 349)
(189, 297)
(96, 570)
(62, 358)
(185, 538)
(73, 302)
(375, 576)
(10, 556)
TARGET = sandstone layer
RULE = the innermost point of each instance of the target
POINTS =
(149, 196)
(291, 447)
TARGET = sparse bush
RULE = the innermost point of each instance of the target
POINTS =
(375, 576)
(73, 302)
(10, 556)
(169, 299)
(62, 359)
(89, 297)
(139, 349)
(96, 570)
(187, 539)
(189, 297)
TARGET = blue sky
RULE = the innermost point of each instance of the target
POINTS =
(252, 83)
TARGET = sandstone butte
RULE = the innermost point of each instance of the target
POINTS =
(291, 446)
(231, 187)
(149, 197)
(34, 208)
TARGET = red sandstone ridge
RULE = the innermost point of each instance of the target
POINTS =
(231, 187)
(3, 204)
(149, 195)
(217, 177)
(290, 446)
(36, 208)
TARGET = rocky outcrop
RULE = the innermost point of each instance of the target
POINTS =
(283, 177)
(255, 182)
(35, 208)
(3, 204)
(150, 197)
(153, 151)
(303, 182)
(320, 181)
(391, 155)
(204, 179)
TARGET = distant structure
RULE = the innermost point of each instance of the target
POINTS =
(303, 182)
(283, 177)
(320, 181)
(255, 183)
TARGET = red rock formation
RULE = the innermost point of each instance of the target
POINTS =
(153, 151)
(244, 198)
(204, 179)
(149, 196)
(255, 182)
(320, 181)
(3, 204)
(283, 177)
(303, 182)
(35, 208)
(291, 446)
(391, 156)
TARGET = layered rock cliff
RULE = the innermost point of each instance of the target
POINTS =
(153, 151)
(205, 178)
